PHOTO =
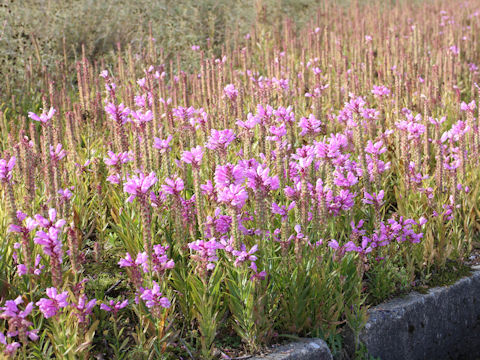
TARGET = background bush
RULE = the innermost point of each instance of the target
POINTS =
(48, 31)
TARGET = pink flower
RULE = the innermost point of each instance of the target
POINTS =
(118, 113)
(50, 222)
(208, 190)
(228, 174)
(257, 275)
(184, 114)
(141, 118)
(380, 91)
(84, 308)
(50, 307)
(57, 153)
(49, 239)
(344, 201)
(436, 121)
(230, 92)
(141, 82)
(6, 169)
(22, 269)
(194, 156)
(114, 307)
(30, 224)
(285, 115)
(233, 195)
(66, 193)
(278, 132)
(10, 348)
(206, 252)
(412, 126)
(114, 179)
(142, 260)
(258, 179)
(52, 245)
(375, 149)
(162, 145)
(454, 50)
(310, 125)
(44, 117)
(173, 187)
(243, 255)
(333, 244)
(470, 107)
(249, 124)
(304, 156)
(160, 260)
(127, 261)
(17, 321)
(374, 199)
(318, 91)
(344, 181)
(282, 210)
(220, 139)
(117, 159)
(153, 297)
(139, 185)
(11, 310)
(458, 130)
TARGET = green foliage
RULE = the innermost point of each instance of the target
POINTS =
(253, 306)
(208, 308)
(70, 340)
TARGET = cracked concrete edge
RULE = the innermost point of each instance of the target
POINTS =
(303, 349)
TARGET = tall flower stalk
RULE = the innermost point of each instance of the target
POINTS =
(138, 187)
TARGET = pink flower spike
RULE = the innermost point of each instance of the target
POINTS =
(374, 199)
(470, 107)
(50, 307)
(57, 153)
(233, 195)
(153, 297)
(230, 92)
(310, 126)
(173, 187)
(380, 91)
(127, 261)
(117, 159)
(220, 139)
(44, 117)
(142, 118)
(162, 145)
(194, 156)
(6, 169)
(139, 185)
(333, 244)
(113, 306)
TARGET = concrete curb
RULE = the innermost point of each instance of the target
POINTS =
(304, 349)
(442, 324)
